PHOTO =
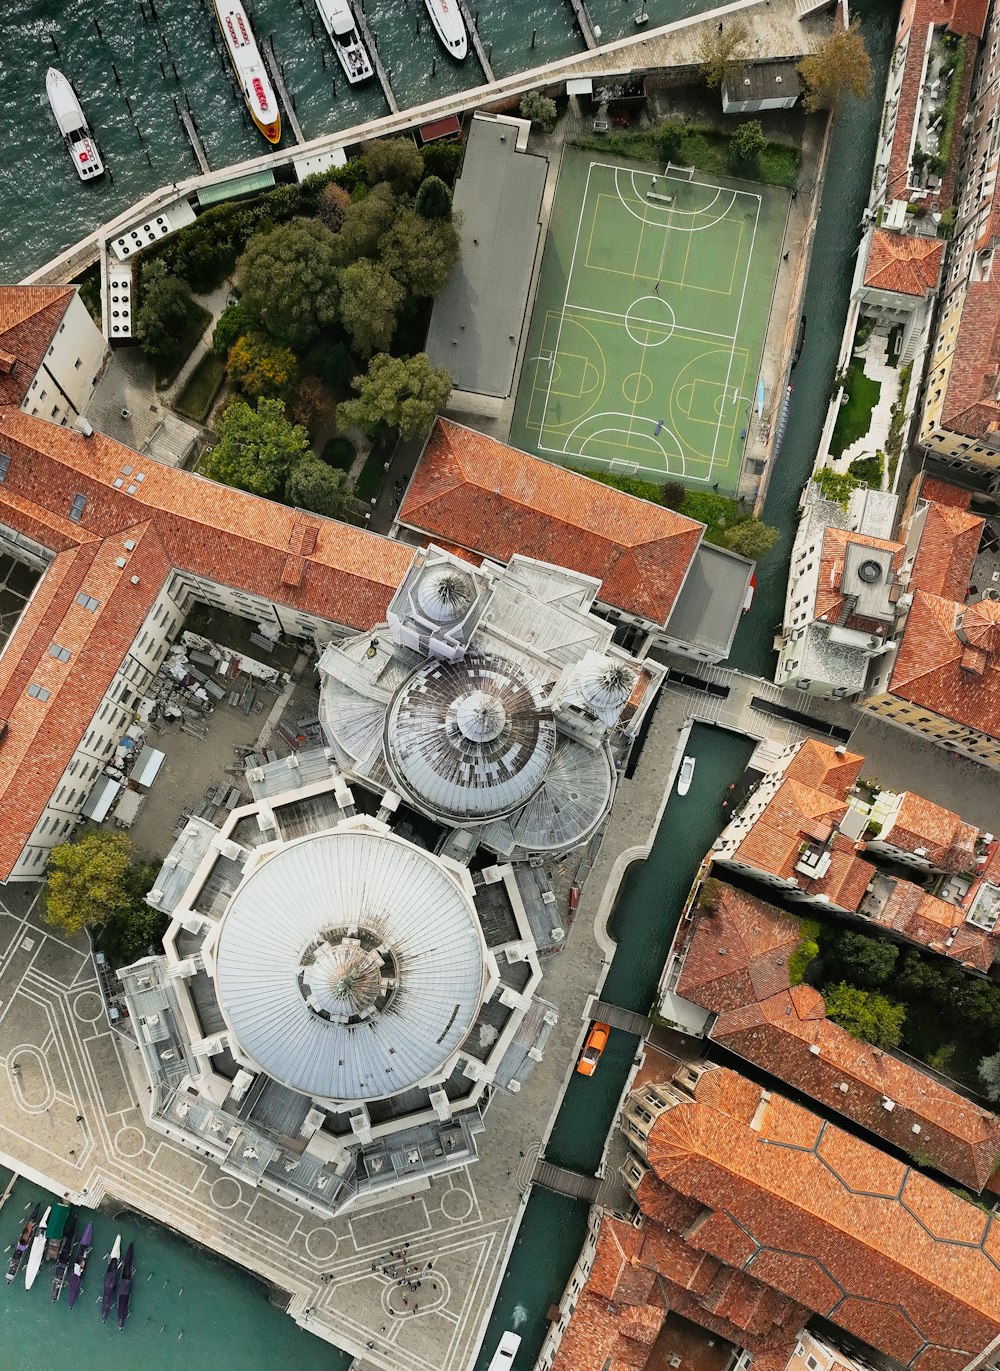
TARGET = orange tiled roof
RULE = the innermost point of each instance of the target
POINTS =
(29, 317)
(970, 404)
(903, 263)
(825, 767)
(937, 925)
(831, 1222)
(471, 490)
(939, 492)
(784, 1030)
(830, 598)
(947, 551)
(934, 669)
(945, 839)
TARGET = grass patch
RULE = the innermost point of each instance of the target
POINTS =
(702, 147)
(856, 412)
(195, 400)
(167, 370)
(369, 482)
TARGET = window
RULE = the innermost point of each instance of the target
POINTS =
(38, 692)
(77, 508)
(61, 654)
(78, 364)
(4, 466)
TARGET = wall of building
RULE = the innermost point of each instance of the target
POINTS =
(969, 742)
(75, 361)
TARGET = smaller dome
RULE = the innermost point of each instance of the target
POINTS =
(605, 685)
(981, 625)
(445, 593)
(343, 980)
(480, 717)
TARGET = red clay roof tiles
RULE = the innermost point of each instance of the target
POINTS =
(947, 550)
(904, 263)
(29, 317)
(928, 670)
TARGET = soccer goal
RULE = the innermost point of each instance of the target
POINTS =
(679, 173)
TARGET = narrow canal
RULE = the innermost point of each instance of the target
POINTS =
(189, 1309)
(653, 891)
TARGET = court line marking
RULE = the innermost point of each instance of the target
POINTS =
(569, 282)
(654, 323)
(670, 224)
(739, 318)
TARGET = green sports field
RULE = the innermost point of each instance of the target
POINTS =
(645, 340)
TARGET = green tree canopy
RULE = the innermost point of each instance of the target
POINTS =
(539, 109)
(370, 298)
(289, 280)
(256, 447)
(444, 160)
(836, 486)
(723, 49)
(840, 65)
(87, 880)
(670, 140)
(131, 930)
(421, 252)
(433, 199)
(160, 323)
(867, 1015)
(365, 224)
(258, 367)
(746, 145)
(313, 406)
(867, 962)
(750, 538)
(235, 321)
(401, 393)
(313, 485)
(395, 160)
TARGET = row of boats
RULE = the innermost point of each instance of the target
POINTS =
(251, 73)
(49, 1236)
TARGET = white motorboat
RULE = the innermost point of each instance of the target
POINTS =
(73, 126)
(343, 34)
(686, 776)
(449, 26)
(503, 1357)
(249, 68)
(37, 1250)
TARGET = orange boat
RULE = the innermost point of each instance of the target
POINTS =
(597, 1041)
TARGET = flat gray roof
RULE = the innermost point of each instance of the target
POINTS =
(763, 81)
(707, 610)
(477, 318)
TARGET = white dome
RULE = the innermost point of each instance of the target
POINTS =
(606, 685)
(350, 965)
(444, 594)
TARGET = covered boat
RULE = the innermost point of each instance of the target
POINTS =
(23, 1243)
(80, 1264)
(37, 1250)
(343, 34)
(80, 142)
(58, 1220)
(449, 26)
(111, 1279)
(63, 1255)
(248, 65)
(125, 1289)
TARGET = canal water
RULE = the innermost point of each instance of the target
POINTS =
(189, 1309)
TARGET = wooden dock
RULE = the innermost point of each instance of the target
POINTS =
(10, 1186)
(565, 1182)
(274, 67)
(582, 16)
(625, 1019)
(194, 140)
(369, 41)
(477, 42)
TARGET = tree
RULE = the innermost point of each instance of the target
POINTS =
(313, 406)
(835, 485)
(396, 160)
(161, 321)
(331, 362)
(421, 252)
(370, 298)
(746, 145)
(540, 110)
(444, 160)
(867, 962)
(313, 485)
(259, 367)
(289, 279)
(86, 880)
(865, 1014)
(751, 538)
(673, 494)
(989, 1074)
(839, 66)
(402, 393)
(256, 447)
(669, 140)
(433, 199)
(332, 206)
(132, 930)
(365, 224)
(722, 49)
(234, 322)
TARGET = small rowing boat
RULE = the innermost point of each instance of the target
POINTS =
(249, 68)
(111, 1279)
(37, 1250)
(23, 1243)
(79, 1264)
(62, 1258)
(125, 1289)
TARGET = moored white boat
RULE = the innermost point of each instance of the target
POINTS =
(37, 1250)
(248, 65)
(73, 126)
(686, 776)
(343, 34)
(449, 26)
(503, 1357)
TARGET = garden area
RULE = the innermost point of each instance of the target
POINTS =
(320, 343)
(861, 395)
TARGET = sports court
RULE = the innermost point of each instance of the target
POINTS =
(645, 341)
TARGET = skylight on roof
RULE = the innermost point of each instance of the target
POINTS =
(77, 508)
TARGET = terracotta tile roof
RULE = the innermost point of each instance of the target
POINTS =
(930, 922)
(785, 1031)
(29, 317)
(471, 490)
(947, 551)
(930, 671)
(939, 492)
(855, 1236)
(903, 263)
(177, 520)
(831, 601)
(824, 767)
(970, 404)
(943, 838)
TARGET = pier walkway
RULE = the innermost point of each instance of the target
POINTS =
(194, 140)
(565, 1182)
(625, 1019)
(360, 18)
(582, 16)
(477, 42)
(278, 77)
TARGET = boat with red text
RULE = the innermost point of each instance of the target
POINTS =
(343, 34)
(248, 65)
(73, 126)
(449, 26)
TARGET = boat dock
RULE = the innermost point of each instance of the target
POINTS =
(368, 38)
(274, 67)
(582, 16)
(10, 1186)
(477, 42)
(193, 139)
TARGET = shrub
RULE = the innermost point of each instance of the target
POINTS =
(339, 452)
(540, 110)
